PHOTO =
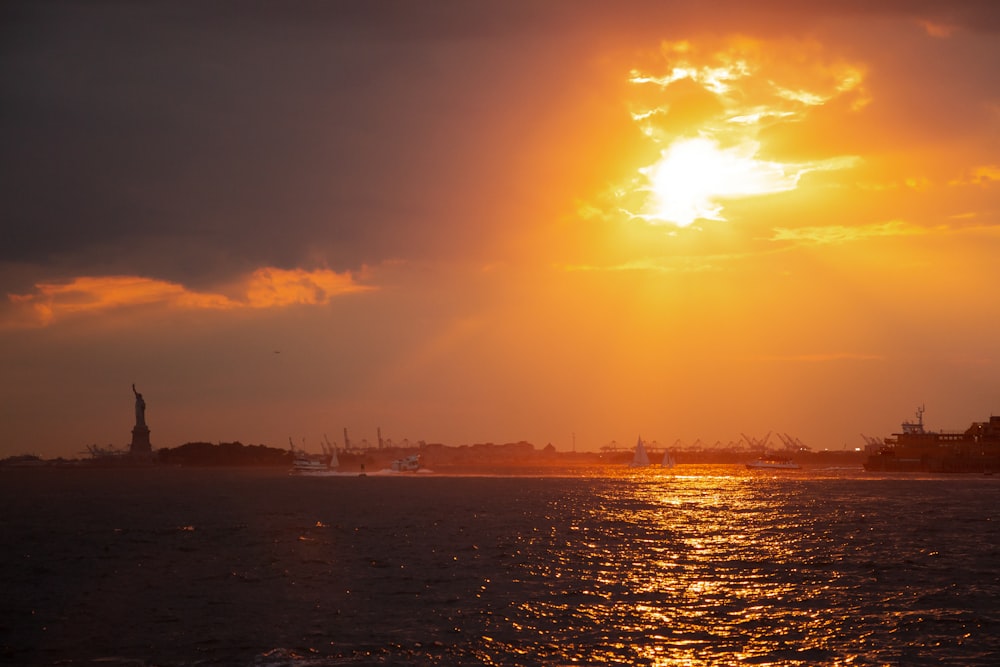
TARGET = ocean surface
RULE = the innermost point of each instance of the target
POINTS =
(700, 565)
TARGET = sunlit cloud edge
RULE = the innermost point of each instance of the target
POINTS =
(681, 265)
(839, 234)
(266, 287)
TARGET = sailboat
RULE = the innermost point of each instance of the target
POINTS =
(331, 451)
(641, 458)
(668, 460)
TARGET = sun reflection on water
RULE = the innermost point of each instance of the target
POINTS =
(680, 570)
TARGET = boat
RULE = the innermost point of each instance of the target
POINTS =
(406, 464)
(303, 461)
(641, 458)
(309, 463)
(668, 460)
(916, 449)
(333, 461)
(772, 463)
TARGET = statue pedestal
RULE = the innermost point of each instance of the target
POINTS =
(140, 442)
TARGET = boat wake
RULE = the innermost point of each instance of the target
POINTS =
(384, 472)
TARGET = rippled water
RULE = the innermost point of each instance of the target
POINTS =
(703, 566)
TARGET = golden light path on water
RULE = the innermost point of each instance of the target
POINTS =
(694, 569)
(673, 566)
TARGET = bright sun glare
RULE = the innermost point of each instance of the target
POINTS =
(693, 177)
(711, 150)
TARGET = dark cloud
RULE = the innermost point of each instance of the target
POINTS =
(230, 135)
(260, 133)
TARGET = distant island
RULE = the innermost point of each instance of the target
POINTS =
(481, 456)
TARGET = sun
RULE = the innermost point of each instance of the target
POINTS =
(693, 178)
(713, 112)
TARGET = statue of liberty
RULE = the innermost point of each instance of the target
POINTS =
(140, 408)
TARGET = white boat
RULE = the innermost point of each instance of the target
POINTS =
(309, 463)
(772, 463)
(641, 458)
(668, 460)
(406, 464)
(303, 461)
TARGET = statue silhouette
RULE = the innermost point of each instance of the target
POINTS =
(140, 408)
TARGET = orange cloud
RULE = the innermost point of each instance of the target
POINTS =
(270, 287)
(940, 30)
(983, 175)
(834, 234)
(264, 288)
(678, 264)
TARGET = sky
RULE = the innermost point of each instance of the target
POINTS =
(461, 222)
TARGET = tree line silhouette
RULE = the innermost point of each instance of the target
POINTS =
(224, 454)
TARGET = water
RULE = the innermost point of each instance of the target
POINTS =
(697, 566)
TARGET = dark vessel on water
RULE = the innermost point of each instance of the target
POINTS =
(977, 449)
